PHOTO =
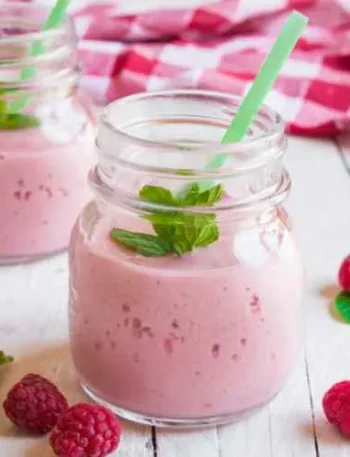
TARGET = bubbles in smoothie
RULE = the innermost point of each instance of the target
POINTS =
(175, 324)
(108, 334)
(148, 331)
(47, 190)
(136, 327)
(168, 345)
(126, 322)
(63, 192)
(125, 307)
(235, 357)
(215, 350)
(136, 323)
(243, 341)
(255, 304)
(98, 345)
(113, 345)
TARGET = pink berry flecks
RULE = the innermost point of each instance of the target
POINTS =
(85, 431)
(344, 274)
(336, 406)
(34, 404)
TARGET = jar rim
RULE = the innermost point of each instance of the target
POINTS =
(67, 24)
(269, 138)
(54, 69)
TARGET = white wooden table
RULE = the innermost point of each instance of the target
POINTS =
(33, 327)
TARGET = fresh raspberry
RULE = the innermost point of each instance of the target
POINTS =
(85, 431)
(34, 403)
(344, 274)
(336, 406)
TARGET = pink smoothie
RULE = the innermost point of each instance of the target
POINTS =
(211, 333)
(43, 187)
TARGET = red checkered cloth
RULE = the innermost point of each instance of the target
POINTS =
(221, 46)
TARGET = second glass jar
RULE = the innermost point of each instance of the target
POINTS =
(47, 131)
(185, 281)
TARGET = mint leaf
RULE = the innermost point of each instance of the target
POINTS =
(193, 196)
(147, 245)
(5, 358)
(17, 121)
(342, 305)
(183, 231)
(176, 232)
(207, 231)
(164, 224)
(159, 195)
(195, 231)
(3, 103)
(211, 196)
(11, 121)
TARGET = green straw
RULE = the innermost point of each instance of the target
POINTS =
(54, 20)
(265, 79)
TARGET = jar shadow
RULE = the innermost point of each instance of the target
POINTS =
(329, 292)
(325, 433)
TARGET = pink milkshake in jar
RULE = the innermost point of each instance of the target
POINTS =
(185, 279)
(47, 132)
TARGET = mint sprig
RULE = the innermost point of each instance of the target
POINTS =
(12, 121)
(5, 358)
(147, 245)
(175, 232)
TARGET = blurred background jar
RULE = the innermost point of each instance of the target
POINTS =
(47, 130)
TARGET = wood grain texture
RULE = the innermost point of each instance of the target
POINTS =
(320, 204)
(33, 326)
(343, 143)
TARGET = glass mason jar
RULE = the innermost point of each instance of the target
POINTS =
(185, 280)
(47, 130)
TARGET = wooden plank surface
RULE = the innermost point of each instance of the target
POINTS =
(320, 204)
(33, 324)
